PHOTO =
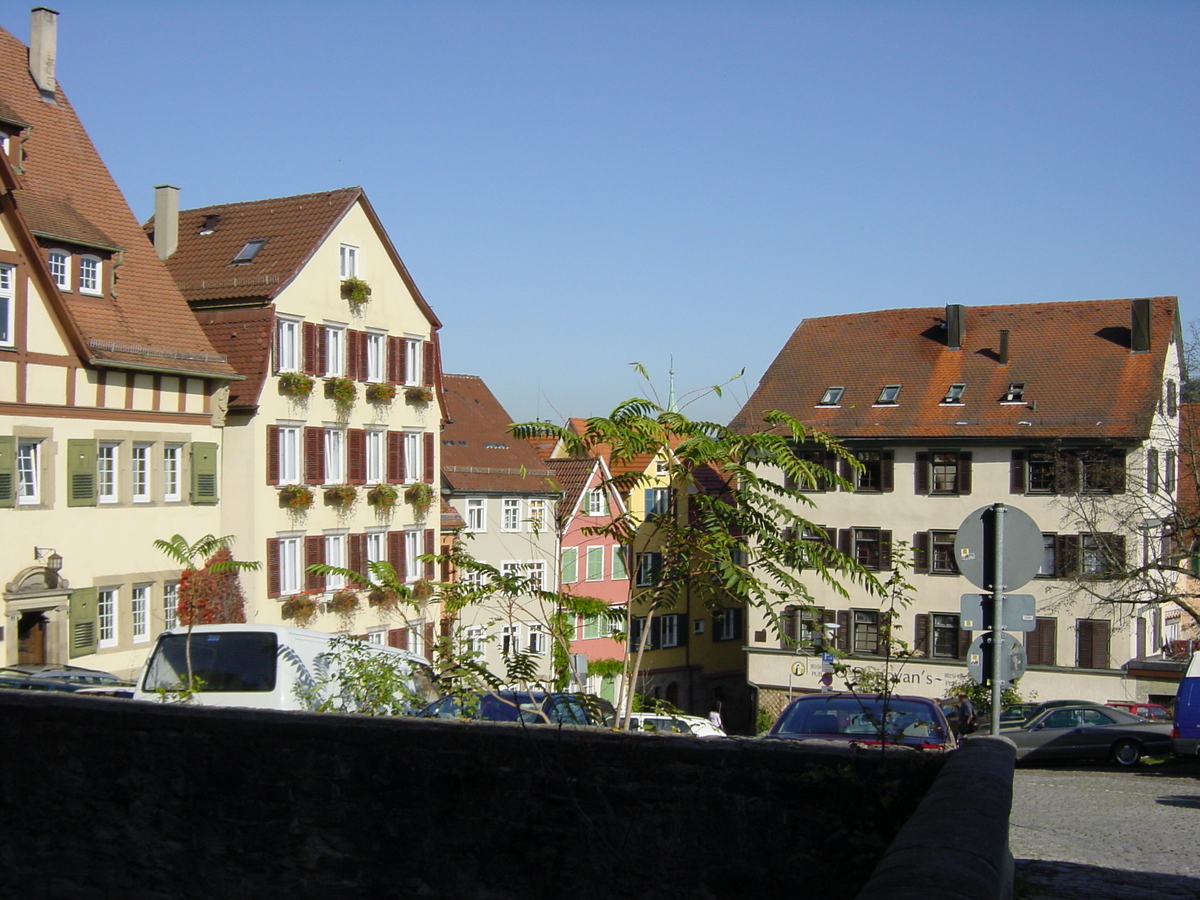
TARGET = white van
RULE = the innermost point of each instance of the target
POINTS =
(255, 666)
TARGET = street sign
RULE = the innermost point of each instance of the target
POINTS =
(974, 548)
(1020, 612)
(1012, 658)
(798, 668)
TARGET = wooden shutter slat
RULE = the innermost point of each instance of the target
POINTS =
(314, 554)
(311, 355)
(356, 453)
(314, 455)
(273, 589)
(272, 454)
(428, 460)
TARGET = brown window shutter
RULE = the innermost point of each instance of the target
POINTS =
(273, 567)
(885, 549)
(1016, 473)
(921, 473)
(430, 637)
(356, 452)
(274, 346)
(322, 349)
(1100, 644)
(395, 541)
(398, 638)
(887, 465)
(395, 457)
(1043, 643)
(921, 551)
(1066, 555)
(921, 642)
(314, 554)
(1152, 471)
(1117, 462)
(272, 454)
(428, 454)
(842, 634)
(358, 555)
(314, 455)
(788, 627)
(845, 537)
(1115, 548)
(964, 473)
(965, 639)
(1067, 472)
(429, 548)
(1083, 644)
(429, 361)
(311, 354)
(846, 470)
(395, 360)
(354, 354)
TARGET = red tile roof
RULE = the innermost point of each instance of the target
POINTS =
(244, 336)
(571, 477)
(1081, 378)
(478, 453)
(65, 193)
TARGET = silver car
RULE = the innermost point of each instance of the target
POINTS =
(1089, 732)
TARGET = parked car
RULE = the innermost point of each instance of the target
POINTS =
(1152, 711)
(64, 673)
(1089, 731)
(663, 723)
(529, 707)
(1010, 717)
(915, 722)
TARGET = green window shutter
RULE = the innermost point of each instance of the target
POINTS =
(595, 564)
(81, 472)
(204, 472)
(619, 570)
(570, 565)
(8, 470)
(83, 621)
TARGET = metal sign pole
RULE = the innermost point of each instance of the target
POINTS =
(998, 510)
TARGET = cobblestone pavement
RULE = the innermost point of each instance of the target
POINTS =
(1092, 832)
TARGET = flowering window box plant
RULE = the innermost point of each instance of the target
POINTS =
(301, 609)
(355, 290)
(383, 496)
(341, 494)
(420, 495)
(296, 384)
(418, 393)
(296, 496)
(341, 391)
(381, 393)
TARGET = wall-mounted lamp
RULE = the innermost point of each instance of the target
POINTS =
(53, 560)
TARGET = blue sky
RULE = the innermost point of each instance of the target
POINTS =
(576, 186)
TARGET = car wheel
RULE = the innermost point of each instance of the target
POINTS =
(1127, 752)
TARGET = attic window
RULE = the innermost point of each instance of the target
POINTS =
(249, 251)
(492, 445)
(1015, 394)
(889, 395)
(832, 396)
(954, 394)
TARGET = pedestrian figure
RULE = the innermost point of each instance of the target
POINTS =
(966, 714)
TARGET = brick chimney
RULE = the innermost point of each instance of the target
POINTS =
(166, 220)
(43, 48)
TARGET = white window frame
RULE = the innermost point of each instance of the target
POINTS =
(172, 472)
(473, 639)
(416, 638)
(414, 361)
(288, 353)
(376, 547)
(106, 616)
(91, 270)
(289, 454)
(538, 512)
(414, 464)
(290, 575)
(348, 261)
(595, 505)
(335, 455)
(376, 356)
(335, 555)
(29, 471)
(376, 456)
(510, 514)
(412, 549)
(170, 604)
(335, 350)
(139, 606)
(377, 636)
(7, 314)
(60, 268)
(510, 638)
(668, 630)
(476, 514)
(139, 472)
(537, 638)
(108, 461)
(535, 571)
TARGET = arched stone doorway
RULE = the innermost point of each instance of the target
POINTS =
(36, 614)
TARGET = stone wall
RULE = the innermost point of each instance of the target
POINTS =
(112, 798)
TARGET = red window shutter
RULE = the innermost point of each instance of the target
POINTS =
(430, 637)
(429, 359)
(356, 450)
(398, 638)
(395, 351)
(395, 457)
(314, 455)
(358, 555)
(429, 548)
(272, 454)
(311, 355)
(322, 350)
(354, 354)
(314, 554)
(429, 450)
(273, 567)
(395, 551)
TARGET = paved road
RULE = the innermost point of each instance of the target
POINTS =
(1094, 832)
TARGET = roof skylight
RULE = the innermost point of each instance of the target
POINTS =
(1016, 392)
(832, 396)
(954, 394)
(249, 251)
(889, 395)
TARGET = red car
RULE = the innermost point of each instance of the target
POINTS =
(1151, 711)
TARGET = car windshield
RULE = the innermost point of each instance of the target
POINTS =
(864, 718)
(233, 662)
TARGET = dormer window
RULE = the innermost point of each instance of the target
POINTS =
(1015, 393)
(954, 394)
(889, 395)
(89, 275)
(60, 268)
(249, 251)
(832, 396)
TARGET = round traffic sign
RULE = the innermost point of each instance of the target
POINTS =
(975, 547)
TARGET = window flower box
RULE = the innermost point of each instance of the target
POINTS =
(422, 589)
(341, 391)
(382, 598)
(420, 495)
(296, 496)
(381, 393)
(341, 494)
(301, 609)
(295, 384)
(383, 496)
(418, 393)
(344, 604)
(355, 290)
